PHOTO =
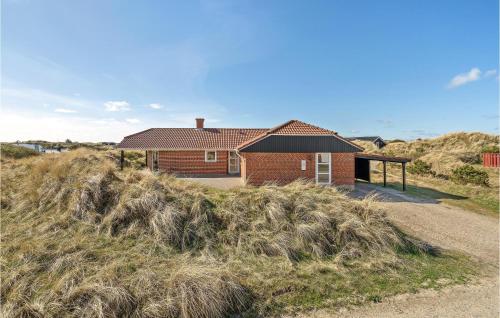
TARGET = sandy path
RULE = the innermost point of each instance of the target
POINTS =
(450, 228)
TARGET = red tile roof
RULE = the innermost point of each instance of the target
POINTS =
(216, 138)
(189, 138)
(297, 127)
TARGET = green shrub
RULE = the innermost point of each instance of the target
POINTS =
(16, 152)
(421, 168)
(470, 158)
(490, 149)
(442, 176)
(468, 174)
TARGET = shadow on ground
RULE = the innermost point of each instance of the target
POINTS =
(393, 193)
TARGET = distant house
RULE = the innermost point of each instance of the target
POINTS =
(376, 140)
(35, 147)
(281, 154)
(55, 150)
(41, 149)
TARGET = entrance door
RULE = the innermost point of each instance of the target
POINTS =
(234, 162)
(323, 168)
(155, 158)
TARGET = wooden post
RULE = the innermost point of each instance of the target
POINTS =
(385, 172)
(122, 158)
(403, 165)
(147, 159)
(369, 171)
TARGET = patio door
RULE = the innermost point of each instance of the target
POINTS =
(323, 168)
(234, 163)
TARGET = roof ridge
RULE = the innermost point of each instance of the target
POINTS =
(318, 127)
(194, 128)
(140, 132)
(281, 126)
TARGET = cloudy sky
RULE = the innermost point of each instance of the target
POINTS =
(98, 70)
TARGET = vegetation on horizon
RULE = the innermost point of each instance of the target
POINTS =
(16, 152)
(81, 238)
(449, 164)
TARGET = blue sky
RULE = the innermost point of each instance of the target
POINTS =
(99, 70)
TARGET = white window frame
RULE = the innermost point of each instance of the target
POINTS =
(206, 153)
(229, 162)
(329, 168)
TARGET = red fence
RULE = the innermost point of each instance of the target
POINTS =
(491, 159)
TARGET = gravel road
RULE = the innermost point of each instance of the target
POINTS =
(447, 227)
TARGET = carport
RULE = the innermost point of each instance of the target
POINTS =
(362, 166)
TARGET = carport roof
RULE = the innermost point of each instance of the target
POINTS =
(369, 156)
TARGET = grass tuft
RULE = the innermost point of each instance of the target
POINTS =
(82, 239)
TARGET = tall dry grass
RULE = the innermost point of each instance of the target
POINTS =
(82, 239)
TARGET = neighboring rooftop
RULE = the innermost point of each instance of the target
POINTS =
(365, 138)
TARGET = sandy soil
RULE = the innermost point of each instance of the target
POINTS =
(447, 227)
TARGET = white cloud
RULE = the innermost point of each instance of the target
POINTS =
(23, 96)
(461, 79)
(64, 110)
(156, 106)
(132, 120)
(490, 73)
(55, 127)
(116, 106)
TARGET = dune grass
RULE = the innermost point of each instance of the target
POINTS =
(82, 239)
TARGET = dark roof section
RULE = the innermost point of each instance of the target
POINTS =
(369, 156)
(296, 128)
(189, 138)
(301, 144)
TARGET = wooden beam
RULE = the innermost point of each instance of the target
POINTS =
(403, 165)
(369, 171)
(122, 159)
(385, 172)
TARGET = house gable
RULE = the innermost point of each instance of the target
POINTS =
(301, 144)
(297, 136)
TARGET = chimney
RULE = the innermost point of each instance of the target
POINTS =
(199, 123)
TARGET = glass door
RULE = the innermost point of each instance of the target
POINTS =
(234, 163)
(323, 168)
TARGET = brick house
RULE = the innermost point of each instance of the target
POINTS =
(281, 154)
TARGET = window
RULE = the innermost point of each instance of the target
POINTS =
(210, 156)
(323, 168)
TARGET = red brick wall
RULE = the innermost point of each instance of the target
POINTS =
(283, 168)
(191, 162)
(343, 168)
(280, 167)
